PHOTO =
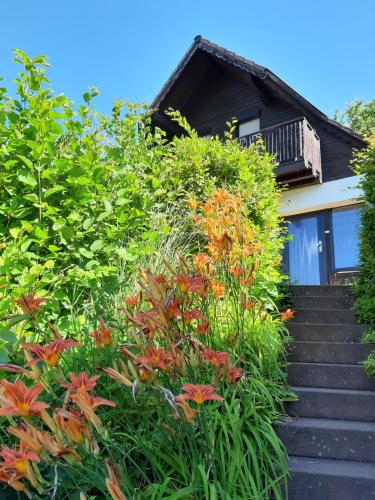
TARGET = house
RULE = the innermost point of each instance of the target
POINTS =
(212, 85)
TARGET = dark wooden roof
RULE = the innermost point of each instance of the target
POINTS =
(265, 75)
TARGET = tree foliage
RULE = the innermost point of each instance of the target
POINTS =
(359, 116)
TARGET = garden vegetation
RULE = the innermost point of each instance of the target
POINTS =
(141, 349)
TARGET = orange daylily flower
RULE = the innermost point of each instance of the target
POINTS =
(218, 289)
(193, 204)
(193, 284)
(32, 437)
(16, 399)
(225, 244)
(88, 404)
(49, 353)
(203, 327)
(198, 393)
(102, 336)
(31, 304)
(12, 479)
(131, 301)
(72, 424)
(122, 377)
(201, 262)
(215, 358)
(80, 382)
(188, 413)
(18, 460)
(113, 482)
(172, 309)
(237, 271)
(233, 374)
(148, 322)
(286, 315)
(155, 358)
(189, 316)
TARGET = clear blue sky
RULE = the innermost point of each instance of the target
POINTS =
(324, 49)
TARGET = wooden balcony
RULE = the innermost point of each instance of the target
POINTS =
(296, 149)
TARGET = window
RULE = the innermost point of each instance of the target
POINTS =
(249, 127)
(345, 225)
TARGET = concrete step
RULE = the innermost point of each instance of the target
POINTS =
(317, 402)
(329, 316)
(326, 332)
(323, 438)
(329, 352)
(327, 290)
(334, 376)
(327, 479)
(322, 302)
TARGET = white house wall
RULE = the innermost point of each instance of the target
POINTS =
(338, 193)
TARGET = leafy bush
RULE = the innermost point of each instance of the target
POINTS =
(365, 286)
(191, 380)
(84, 196)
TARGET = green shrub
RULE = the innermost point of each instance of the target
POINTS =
(365, 285)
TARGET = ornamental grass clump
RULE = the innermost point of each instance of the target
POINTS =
(171, 396)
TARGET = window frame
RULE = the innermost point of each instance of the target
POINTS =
(332, 242)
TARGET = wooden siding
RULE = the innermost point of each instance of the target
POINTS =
(221, 96)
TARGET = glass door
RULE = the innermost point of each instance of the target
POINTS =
(305, 253)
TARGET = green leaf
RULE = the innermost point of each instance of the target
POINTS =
(28, 179)
(67, 233)
(126, 255)
(97, 245)
(26, 161)
(40, 233)
(8, 336)
(86, 253)
(55, 189)
(15, 232)
(87, 223)
(4, 355)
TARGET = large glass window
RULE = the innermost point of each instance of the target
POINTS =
(345, 226)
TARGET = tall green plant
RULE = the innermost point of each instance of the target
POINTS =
(365, 287)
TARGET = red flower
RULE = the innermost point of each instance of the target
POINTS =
(16, 399)
(31, 304)
(102, 336)
(215, 358)
(286, 315)
(156, 358)
(198, 393)
(203, 328)
(233, 374)
(49, 353)
(80, 382)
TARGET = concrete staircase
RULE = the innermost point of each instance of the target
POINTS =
(330, 435)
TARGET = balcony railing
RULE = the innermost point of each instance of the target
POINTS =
(296, 149)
